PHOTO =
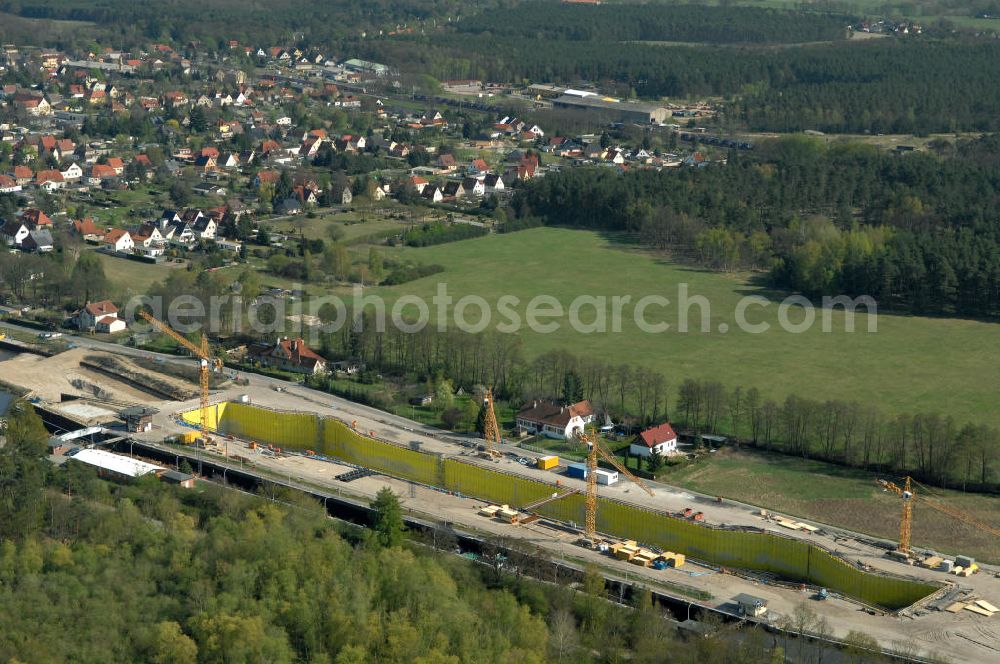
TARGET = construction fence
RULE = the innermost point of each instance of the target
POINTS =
(790, 558)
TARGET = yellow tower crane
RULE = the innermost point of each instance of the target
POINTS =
(491, 430)
(908, 495)
(596, 449)
(207, 364)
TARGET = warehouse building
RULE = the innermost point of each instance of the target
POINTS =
(115, 466)
(618, 110)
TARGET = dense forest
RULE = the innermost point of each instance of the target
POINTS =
(91, 571)
(919, 232)
(880, 86)
(126, 23)
(656, 22)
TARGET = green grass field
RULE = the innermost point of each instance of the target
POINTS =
(910, 364)
(840, 497)
(135, 277)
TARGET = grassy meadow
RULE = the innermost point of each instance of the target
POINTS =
(909, 364)
(842, 497)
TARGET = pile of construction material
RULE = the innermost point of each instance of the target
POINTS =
(979, 607)
(630, 551)
(503, 513)
(960, 566)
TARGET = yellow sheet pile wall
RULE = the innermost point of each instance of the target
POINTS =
(793, 559)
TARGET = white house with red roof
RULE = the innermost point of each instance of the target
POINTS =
(119, 240)
(101, 317)
(554, 420)
(660, 439)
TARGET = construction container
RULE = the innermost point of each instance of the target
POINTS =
(946, 566)
(189, 437)
(577, 470)
(964, 561)
(677, 560)
(606, 477)
(507, 515)
(625, 550)
(699, 516)
(547, 462)
(644, 557)
(489, 511)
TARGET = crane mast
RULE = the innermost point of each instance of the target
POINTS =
(206, 364)
(908, 495)
(594, 450)
(491, 429)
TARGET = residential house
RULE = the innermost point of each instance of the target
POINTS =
(23, 175)
(341, 192)
(478, 167)
(87, 230)
(14, 232)
(660, 440)
(291, 205)
(228, 160)
(101, 173)
(148, 240)
(432, 193)
(101, 317)
(433, 118)
(418, 183)
(205, 228)
(453, 190)
(474, 187)
(39, 239)
(119, 241)
(35, 106)
(117, 164)
(493, 183)
(72, 173)
(49, 180)
(35, 218)
(266, 177)
(180, 233)
(8, 185)
(554, 420)
(289, 355)
(446, 163)
(206, 164)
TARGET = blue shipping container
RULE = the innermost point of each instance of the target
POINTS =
(577, 470)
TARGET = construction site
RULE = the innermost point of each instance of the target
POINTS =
(709, 553)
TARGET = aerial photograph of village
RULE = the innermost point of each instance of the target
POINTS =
(500, 331)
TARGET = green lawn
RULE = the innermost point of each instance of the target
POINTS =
(135, 277)
(354, 229)
(841, 497)
(910, 364)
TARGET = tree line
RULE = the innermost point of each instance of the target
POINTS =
(657, 22)
(92, 571)
(930, 446)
